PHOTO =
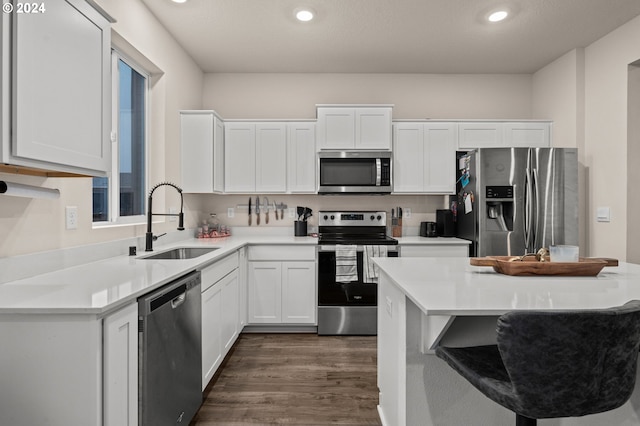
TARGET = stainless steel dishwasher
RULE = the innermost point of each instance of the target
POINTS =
(170, 353)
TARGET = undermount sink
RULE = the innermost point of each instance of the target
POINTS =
(181, 253)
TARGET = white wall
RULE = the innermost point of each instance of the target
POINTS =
(28, 225)
(606, 73)
(413, 95)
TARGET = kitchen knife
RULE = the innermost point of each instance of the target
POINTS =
(275, 210)
(257, 210)
(266, 213)
(249, 211)
(281, 211)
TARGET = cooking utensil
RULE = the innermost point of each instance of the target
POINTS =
(266, 212)
(281, 211)
(300, 211)
(275, 210)
(257, 210)
(249, 211)
(307, 213)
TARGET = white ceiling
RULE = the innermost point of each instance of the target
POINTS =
(386, 36)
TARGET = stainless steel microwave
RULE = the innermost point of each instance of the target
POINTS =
(355, 172)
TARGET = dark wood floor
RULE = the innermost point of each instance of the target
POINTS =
(294, 379)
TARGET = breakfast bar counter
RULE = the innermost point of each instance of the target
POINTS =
(426, 302)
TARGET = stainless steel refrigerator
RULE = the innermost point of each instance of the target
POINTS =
(512, 201)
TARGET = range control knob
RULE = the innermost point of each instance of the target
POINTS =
(332, 217)
(373, 217)
(326, 217)
(379, 217)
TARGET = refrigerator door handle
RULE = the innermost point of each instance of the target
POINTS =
(528, 212)
(536, 209)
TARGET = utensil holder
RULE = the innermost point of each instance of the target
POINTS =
(300, 228)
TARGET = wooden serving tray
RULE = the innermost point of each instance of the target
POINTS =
(529, 266)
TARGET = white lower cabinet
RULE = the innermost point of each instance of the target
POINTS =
(282, 291)
(220, 313)
(120, 351)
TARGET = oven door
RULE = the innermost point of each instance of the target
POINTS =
(354, 293)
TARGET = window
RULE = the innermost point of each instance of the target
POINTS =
(120, 197)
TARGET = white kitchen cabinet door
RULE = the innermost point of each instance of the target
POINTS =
(264, 292)
(440, 158)
(527, 134)
(271, 157)
(480, 135)
(212, 344)
(336, 128)
(230, 310)
(424, 158)
(408, 158)
(373, 128)
(61, 87)
(354, 128)
(299, 292)
(240, 157)
(202, 152)
(120, 331)
(301, 158)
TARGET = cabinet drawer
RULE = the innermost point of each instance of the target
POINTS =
(212, 274)
(292, 252)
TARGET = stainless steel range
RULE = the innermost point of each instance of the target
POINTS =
(347, 294)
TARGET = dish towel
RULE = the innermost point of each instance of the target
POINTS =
(371, 270)
(346, 263)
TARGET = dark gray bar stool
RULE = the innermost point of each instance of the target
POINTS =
(550, 364)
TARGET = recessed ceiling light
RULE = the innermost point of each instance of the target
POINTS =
(179, 1)
(498, 16)
(304, 15)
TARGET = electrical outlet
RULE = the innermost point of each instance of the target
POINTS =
(292, 213)
(71, 217)
(173, 210)
(406, 213)
(231, 212)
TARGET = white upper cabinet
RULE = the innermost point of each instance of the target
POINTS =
(202, 151)
(354, 127)
(527, 134)
(271, 157)
(239, 157)
(484, 134)
(301, 158)
(58, 117)
(424, 158)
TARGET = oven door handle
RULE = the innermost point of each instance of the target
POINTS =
(332, 248)
(378, 171)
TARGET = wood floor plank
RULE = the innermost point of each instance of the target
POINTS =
(294, 379)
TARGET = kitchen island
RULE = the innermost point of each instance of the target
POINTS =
(426, 302)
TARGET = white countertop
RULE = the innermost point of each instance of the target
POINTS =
(99, 287)
(450, 286)
(103, 286)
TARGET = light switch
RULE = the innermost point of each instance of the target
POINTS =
(603, 214)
